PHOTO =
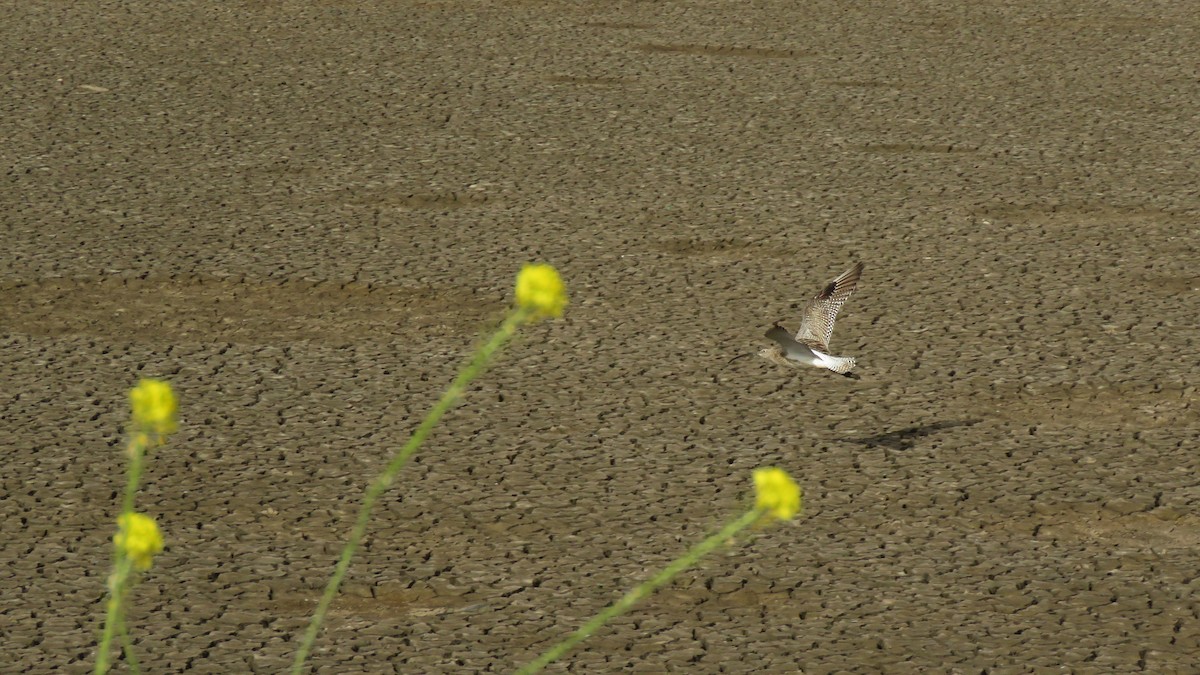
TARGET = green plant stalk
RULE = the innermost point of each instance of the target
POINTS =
(382, 482)
(115, 615)
(115, 610)
(643, 590)
(137, 453)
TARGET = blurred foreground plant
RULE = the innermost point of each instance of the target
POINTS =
(540, 294)
(154, 417)
(777, 497)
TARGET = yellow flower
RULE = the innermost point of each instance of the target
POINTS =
(139, 538)
(540, 291)
(154, 407)
(776, 493)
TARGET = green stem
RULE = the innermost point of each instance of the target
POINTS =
(115, 611)
(137, 451)
(640, 592)
(122, 566)
(384, 480)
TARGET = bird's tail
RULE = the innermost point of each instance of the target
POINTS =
(838, 364)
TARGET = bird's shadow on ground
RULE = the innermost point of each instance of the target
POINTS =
(905, 439)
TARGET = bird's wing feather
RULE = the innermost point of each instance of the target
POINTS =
(816, 326)
(780, 334)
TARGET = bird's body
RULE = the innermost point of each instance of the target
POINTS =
(794, 354)
(810, 345)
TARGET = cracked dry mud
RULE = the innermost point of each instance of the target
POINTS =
(304, 214)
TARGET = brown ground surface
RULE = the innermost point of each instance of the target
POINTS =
(304, 213)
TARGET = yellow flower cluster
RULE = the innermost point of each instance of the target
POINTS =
(155, 408)
(138, 537)
(541, 292)
(776, 494)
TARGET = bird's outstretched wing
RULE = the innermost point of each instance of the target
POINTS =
(816, 326)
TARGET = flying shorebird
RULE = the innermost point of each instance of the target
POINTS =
(810, 346)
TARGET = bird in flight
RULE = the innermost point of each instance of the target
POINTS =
(810, 345)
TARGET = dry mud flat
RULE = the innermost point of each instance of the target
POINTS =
(303, 214)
